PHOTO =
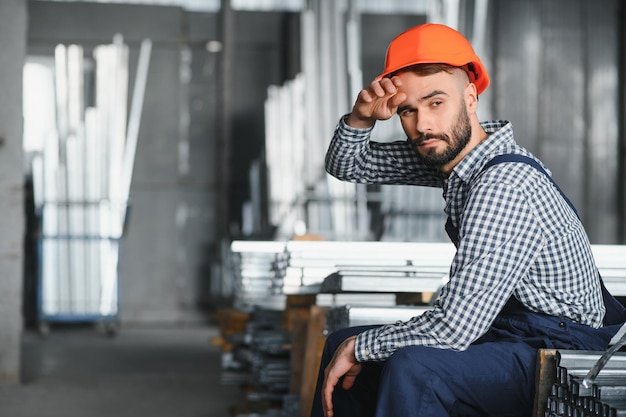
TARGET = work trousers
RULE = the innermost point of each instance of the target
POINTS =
(495, 376)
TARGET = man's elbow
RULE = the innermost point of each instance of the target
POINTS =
(336, 174)
(332, 167)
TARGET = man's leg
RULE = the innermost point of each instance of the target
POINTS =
(360, 400)
(489, 379)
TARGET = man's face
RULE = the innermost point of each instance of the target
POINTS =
(434, 116)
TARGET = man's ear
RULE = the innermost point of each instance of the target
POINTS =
(471, 98)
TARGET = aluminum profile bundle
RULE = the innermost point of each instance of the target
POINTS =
(605, 397)
(611, 263)
(356, 299)
(411, 279)
(253, 266)
(305, 265)
(291, 405)
(261, 353)
(349, 316)
(272, 375)
(272, 342)
(267, 269)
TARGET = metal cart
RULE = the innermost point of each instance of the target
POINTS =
(79, 248)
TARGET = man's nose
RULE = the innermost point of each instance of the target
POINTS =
(423, 124)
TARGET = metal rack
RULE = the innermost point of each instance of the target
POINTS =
(606, 397)
(78, 272)
(81, 180)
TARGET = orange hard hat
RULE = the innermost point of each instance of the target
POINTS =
(433, 43)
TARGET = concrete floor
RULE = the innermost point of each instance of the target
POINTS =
(141, 372)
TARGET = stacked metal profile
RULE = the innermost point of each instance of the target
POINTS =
(358, 280)
(409, 278)
(260, 356)
(321, 266)
(383, 268)
(361, 280)
(268, 351)
(606, 397)
(254, 273)
(341, 317)
(266, 271)
(611, 263)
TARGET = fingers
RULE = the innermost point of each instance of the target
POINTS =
(348, 381)
(396, 100)
(385, 86)
(343, 364)
(331, 379)
(378, 101)
(381, 88)
(327, 394)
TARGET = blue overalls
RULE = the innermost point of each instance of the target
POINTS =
(495, 376)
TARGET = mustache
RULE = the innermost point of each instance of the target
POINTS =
(427, 136)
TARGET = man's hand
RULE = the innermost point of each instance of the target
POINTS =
(377, 101)
(343, 364)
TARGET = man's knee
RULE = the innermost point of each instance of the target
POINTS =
(410, 387)
(488, 379)
(409, 362)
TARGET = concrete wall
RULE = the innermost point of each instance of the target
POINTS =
(12, 54)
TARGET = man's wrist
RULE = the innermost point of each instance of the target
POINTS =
(358, 123)
(362, 352)
(353, 132)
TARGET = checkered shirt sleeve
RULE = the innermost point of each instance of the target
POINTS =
(351, 156)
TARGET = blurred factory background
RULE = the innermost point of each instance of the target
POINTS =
(220, 113)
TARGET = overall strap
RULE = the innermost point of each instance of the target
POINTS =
(513, 157)
(453, 232)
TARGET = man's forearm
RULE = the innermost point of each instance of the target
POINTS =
(346, 152)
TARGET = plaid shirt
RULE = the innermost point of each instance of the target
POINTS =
(518, 237)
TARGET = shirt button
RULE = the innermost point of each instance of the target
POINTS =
(367, 352)
(562, 324)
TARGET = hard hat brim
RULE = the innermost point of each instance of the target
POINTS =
(480, 79)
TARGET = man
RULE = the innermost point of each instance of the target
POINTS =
(523, 276)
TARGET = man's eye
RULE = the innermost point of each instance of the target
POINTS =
(436, 103)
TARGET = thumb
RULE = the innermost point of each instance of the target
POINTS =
(350, 376)
(348, 381)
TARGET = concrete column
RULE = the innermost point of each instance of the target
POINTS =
(13, 25)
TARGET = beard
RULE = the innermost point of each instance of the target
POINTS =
(459, 137)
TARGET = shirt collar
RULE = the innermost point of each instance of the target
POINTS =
(500, 138)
